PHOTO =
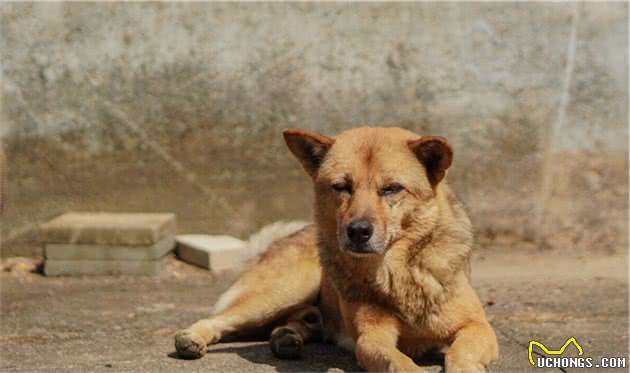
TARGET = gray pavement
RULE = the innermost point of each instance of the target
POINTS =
(125, 323)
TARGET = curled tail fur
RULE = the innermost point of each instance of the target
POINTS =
(260, 241)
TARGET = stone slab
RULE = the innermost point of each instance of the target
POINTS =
(54, 267)
(109, 251)
(109, 228)
(215, 253)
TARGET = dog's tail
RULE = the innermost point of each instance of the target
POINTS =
(260, 241)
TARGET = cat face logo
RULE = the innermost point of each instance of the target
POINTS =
(552, 352)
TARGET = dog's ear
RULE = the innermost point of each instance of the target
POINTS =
(435, 153)
(308, 147)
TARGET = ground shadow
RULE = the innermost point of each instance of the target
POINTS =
(433, 359)
(316, 357)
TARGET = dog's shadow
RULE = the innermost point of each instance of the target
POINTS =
(316, 357)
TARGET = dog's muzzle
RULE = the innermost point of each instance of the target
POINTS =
(359, 232)
(359, 239)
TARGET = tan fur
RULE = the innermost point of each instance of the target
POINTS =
(408, 294)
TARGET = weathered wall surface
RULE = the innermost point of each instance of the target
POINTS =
(179, 107)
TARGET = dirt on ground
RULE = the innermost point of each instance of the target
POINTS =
(126, 324)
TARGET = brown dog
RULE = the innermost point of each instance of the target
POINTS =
(384, 269)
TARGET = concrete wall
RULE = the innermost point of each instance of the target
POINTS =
(179, 107)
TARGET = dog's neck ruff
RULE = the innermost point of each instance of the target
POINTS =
(413, 290)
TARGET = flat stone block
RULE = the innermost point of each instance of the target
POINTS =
(69, 251)
(215, 253)
(54, 267)
(109, 228)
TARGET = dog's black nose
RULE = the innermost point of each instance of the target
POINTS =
(359, 231)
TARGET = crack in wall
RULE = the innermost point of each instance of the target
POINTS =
(554, 129)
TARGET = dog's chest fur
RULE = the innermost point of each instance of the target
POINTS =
(405, 285)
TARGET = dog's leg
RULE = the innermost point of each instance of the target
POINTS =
(302, 326)
(287, 277)
(474, 347)
(250, 310)
(377, 333)
(253, 308)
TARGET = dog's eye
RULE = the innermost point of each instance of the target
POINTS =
(342, 187)
(391, 189)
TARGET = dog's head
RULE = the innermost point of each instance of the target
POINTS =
(373, 186)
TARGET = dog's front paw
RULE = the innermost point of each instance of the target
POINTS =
(404, 366)
(454, 367)
(189, 345)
